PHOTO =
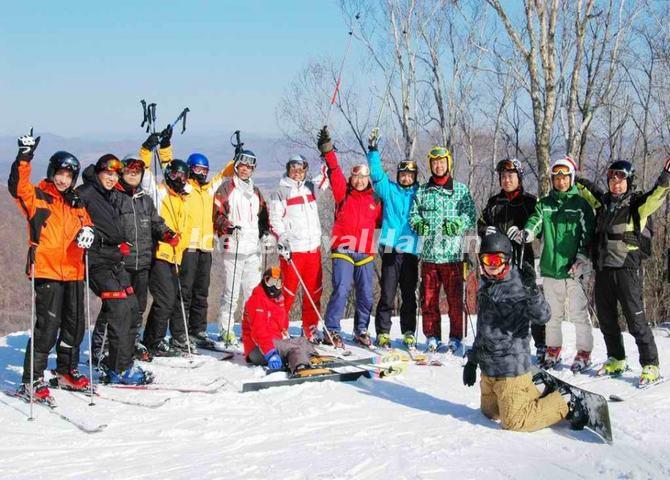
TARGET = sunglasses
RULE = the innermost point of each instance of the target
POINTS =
(407, 166)
(617, 175)
(560, 170)
(361, 171)
(493, 259)
(437, 153)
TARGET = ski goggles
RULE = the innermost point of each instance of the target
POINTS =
(246, 159)
(438, 152)
(493, 259)
(71, 164)
(361, 170)
(560, 170)
(617, 175)
(299, 165)
(112, 165)
(200, 170)
(133, 165)
(407, 166)
(177, 175)
(509, 166)
(273, 278)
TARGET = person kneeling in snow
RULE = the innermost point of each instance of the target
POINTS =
(265, 328)
(501, 347)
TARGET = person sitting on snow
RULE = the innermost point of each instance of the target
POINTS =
(265, 328)
(502, 346)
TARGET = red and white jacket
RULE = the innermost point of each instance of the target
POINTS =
(264, 320)
(294, 216)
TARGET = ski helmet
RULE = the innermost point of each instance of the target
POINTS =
(272, 282)
(496, 242)
(407, 166)
(296, 160)
(194, 161)
(440, 152)
(564, 166)
(176, 174)
(108, 163)
(62, 160)
(621, 169)
(510, 165)
(494, 251)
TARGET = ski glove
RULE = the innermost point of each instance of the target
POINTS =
(27, 146)
(233, 229)
(273, 359)
(324, 142)
(422, 228)
(124, 248)
(373, 140)
(451, 228)
(469, 374)
(284, 250)
(581, 268)
(490, 230)
(512, 232)
(152, 141)
(171, 238)
(523, 236)
(166, 136)
(85, 238)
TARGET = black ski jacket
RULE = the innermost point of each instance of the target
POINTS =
(506, 310)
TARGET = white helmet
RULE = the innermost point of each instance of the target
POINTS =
(564, 166)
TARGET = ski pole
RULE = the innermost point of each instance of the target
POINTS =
(32, 331)
(102, 348)
(181, 303)
(182, 117)
(232, 290)
(88, 322)
(333, 99)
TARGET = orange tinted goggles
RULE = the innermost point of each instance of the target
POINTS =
(493, 259)
(560, 170)
(113, 166)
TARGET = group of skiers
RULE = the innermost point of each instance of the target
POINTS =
(129, 235)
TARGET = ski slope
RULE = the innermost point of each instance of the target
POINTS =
(423, 424)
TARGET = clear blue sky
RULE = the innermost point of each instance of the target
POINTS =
(81, 67)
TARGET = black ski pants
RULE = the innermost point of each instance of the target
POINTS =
(194, 275)
(164, 290)
(623, 285)
(117, 317)
(139, 279)
(60, 321)
(398, 268)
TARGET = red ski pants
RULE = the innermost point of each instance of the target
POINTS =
(433, 277)
(308, 265)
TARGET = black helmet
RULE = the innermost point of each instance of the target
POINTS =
(407, 166)
(63, 161)
(176, 175)
(297, 159)
(496, 242)
(272, 282)
(626, 168)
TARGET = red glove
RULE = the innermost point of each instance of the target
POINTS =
(171, 238)
(124, 248)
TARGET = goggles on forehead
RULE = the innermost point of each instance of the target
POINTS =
(112, 165)
(617, 175)
(509, 166)
(437, 153)
(177, 175)
(493, 259)
(407, 166)
(560, 170)
(361, 170)
(274, 278)
(69, 164)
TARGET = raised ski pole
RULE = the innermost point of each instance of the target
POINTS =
(182, 117)
(336, 92)
(88, 322)
(32, 329)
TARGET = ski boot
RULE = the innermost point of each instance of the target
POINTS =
(72, 380)
(183, 343)
(312, 336)
(202, 340)
(363, 338)
(454, 345)
(432, 344)
(650, 374)
(552, 358)
(142, 354)
(581, 362)
(40, 389)
(409, 341)
(612, 367)
(131, 376)
(383, 341)
(540, 352)
(228, 338)
(332, 338)
(578, 414)
(163, 349)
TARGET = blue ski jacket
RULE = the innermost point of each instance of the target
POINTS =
(397, 201)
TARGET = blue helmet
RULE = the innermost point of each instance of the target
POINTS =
(197, 160)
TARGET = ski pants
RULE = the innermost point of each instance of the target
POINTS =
(434, 276)
(139, 279)
(194, 275)
(348, 267)
(59, 321)
(624, 286)
(558, 292)
(516, 402)
(398, 268)
(163, 287)
(117, 321)
(293, 352)
(308, 265)
(239, 272)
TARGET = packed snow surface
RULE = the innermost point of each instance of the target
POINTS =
(422, 424)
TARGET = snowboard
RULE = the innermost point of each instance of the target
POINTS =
(596, 405)
(307, 375)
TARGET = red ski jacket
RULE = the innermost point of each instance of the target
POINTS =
(357, 214)
(264, 320)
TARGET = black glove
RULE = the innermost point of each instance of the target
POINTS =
(152, 141)
(324, 142)
(166, 136)
(373, 140)
(27, 146)
(469, 374)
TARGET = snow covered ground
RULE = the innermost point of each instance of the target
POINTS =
(423, 424)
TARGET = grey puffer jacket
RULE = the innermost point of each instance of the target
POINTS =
(506, 310)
